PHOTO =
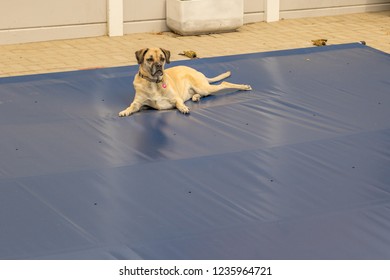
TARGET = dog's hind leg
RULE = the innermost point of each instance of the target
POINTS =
(222, 88)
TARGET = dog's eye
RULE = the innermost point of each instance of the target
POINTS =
(150, 59)
(162, 59)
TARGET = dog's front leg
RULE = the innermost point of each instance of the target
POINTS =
(181, 106)
(134, 107)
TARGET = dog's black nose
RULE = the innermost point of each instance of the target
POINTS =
(159, 66)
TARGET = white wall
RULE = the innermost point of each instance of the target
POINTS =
(41, 20)
(253, 10)
(144, 16)
(305, 8)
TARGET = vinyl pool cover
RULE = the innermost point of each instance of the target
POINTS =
(297, 168)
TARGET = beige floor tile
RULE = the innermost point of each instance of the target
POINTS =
(65, 55)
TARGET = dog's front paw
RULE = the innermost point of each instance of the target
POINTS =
(184, 109)
(124, 113)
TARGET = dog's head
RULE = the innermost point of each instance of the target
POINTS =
(152, 61)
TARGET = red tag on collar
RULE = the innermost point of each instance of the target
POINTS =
(164, 85)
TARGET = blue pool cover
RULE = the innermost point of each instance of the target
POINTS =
(298, 168)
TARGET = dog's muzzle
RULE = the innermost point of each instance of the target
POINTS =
(157, 70)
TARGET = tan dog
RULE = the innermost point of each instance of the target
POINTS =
(166, 89)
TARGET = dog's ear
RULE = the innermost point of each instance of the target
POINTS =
(140, 55)
(167, 55)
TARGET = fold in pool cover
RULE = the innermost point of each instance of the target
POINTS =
(298, 168)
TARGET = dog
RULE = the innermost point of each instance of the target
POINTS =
(167, 89)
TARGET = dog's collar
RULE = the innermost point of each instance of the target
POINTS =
(157, 81)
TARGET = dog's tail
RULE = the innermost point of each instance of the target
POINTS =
(219, 77)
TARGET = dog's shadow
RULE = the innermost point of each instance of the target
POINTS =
(152, 135)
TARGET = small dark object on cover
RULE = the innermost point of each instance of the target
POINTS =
(78, 182)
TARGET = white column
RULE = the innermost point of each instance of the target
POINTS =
(271, 9)
(115, 17)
